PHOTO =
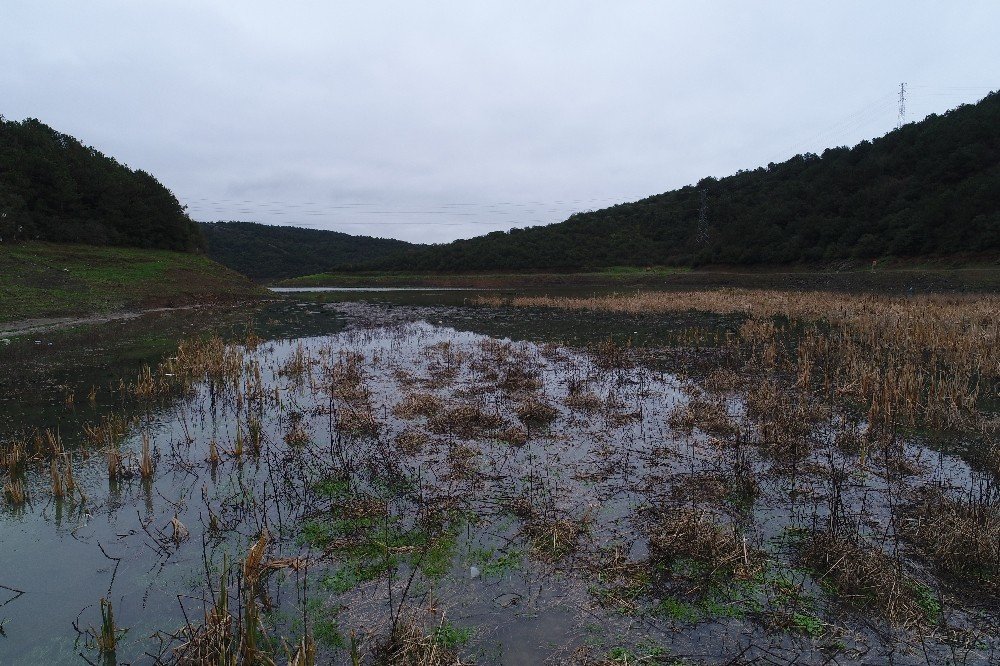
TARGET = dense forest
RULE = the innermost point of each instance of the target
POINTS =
(53, 188)
(930, 188)
(265, 252)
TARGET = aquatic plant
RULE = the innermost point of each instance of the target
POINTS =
(146, 467)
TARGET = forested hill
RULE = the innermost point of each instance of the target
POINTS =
(265, 252)
(53, 188)
(931, 188)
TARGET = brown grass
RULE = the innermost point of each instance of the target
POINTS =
(465, 421)
(698, 536)
(418, 404)
(960, 536)
(411, 442)
(863, 577)
(904, 359)
(536, 410)
(709, 416)
(413, 644)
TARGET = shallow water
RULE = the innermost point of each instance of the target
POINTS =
(333, 483)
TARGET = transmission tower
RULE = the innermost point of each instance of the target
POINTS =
(902, 105)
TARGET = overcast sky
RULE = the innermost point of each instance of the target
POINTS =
(430, 121)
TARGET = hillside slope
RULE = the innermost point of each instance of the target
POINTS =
(50, 279)
(928, 189)
(53, 188)
(265, 252)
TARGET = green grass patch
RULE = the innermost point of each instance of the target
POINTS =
(612, 276)
(452, 637)
(39, 280)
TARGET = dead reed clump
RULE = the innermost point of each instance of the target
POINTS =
(851, 441)
(536, 410)
(297, 365)
(699, 487)
(14, 456)
(14, 461)
(352, 393)
(463, 463)
(14, 491)
(411, 442)
(255, 435)
(696, 537)
(513, 435)
(213, 453)
(520, 378)
(723, 380)
(148, 386)
(146, 467)
(862, 576)
(298, 434)
(552, 538)
(105, 639)
(618, 419)
(405, 378)
(444, 361)
(519, 506)
(201, 358)
(418, 404)
(58, 488)
(465, 421)
(349, 368)
(223, 639)
(211, 642)
(305, 652)
(510, 367)
(178, 531)
(609, 355)
(709, 416)
(553, 352)
(112, 428)
(782, 421)
(960, 536)
(585, 401)
(114, 462)
(410, 643)
(357, 421)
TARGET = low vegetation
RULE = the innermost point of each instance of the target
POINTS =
(809, 481)
(40, 280)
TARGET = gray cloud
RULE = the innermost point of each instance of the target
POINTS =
(433, 121)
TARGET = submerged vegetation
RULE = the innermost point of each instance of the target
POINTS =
(815, 478)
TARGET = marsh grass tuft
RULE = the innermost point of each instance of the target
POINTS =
(696, 544)
(961, 536)
(414, 644)
(864, 577)
(146, 467)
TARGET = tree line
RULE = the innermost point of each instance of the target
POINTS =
(930, 188)
(53, 188)
(267, 252)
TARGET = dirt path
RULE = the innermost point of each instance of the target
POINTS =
(25, 326)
